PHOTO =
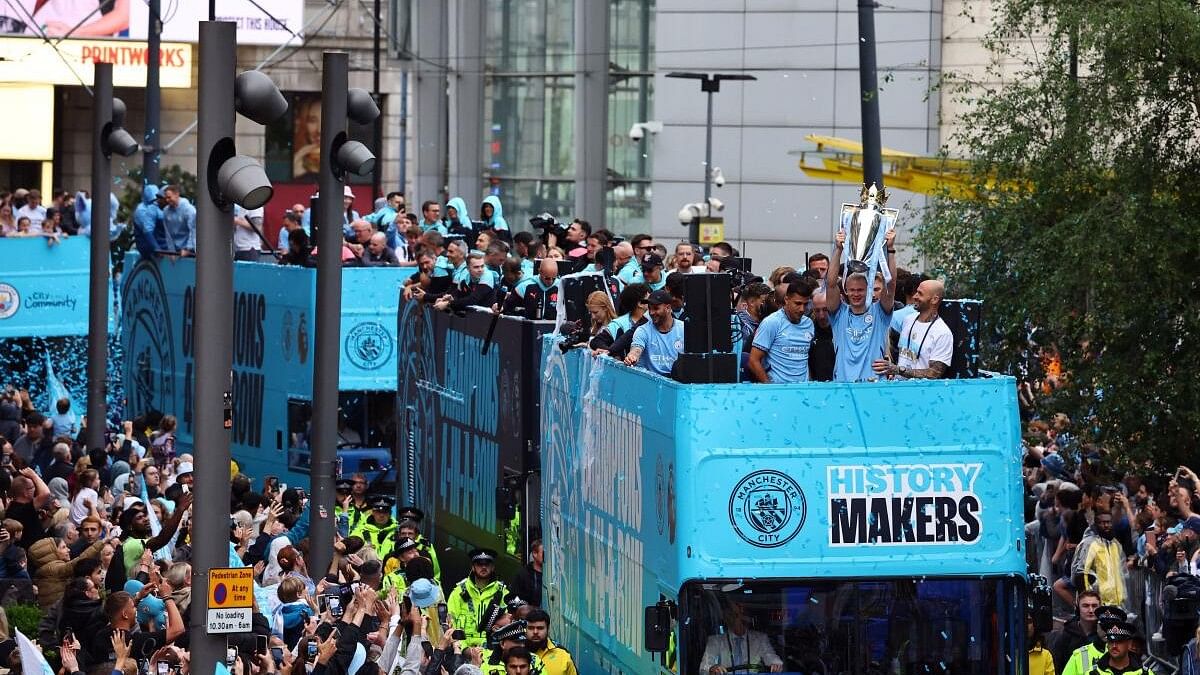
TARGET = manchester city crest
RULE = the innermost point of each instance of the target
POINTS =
(767, 508)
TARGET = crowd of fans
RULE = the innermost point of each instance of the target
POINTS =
(1119, 551)
(99, 541)
(24, 214)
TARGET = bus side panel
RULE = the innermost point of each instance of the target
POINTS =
(272, 362)
(44, 289)
(368, 332)
(901, 479)
(608, 509)
(462, 416)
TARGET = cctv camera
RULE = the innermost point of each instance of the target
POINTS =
(688, 213)
(715, 204)
(718, 177)
(636, 132)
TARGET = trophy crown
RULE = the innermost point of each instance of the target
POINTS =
(872, 195)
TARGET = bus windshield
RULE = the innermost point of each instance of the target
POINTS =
(853, 627)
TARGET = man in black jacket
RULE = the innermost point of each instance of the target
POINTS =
(528, 585)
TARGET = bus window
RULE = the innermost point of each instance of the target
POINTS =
(940, 626)
(299, 417)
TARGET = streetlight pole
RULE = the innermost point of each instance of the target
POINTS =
(97, 366)
(868, 81)
(212, 407)
(108, 136)
(710, 83)
(225, 178)
(339, 156)
(150, 150)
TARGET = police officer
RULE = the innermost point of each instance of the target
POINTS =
(505, 640)
(356, 509)
(395, 564)
(410, 524)
(1119, 658)
(536, 298)
(379, 529)
(341, 512)
(1085, 658)
(471, 598)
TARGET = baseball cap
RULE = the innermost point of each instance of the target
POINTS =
(651, 260)
(660, 297)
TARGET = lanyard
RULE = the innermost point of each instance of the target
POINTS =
(922, 345)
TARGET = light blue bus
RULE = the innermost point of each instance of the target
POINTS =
(859, 528)
(273, 331)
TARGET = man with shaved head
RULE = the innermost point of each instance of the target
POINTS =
(926, 343)
(627, 269)
(378, 253)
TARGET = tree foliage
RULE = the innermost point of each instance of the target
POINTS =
(1082, 235)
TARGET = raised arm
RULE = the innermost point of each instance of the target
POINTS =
(887, 299)
(833, 291)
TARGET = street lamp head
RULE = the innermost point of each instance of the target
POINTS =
(243, 181)
(356, 158)
(360, 106)
(257, 97)
(120, 142)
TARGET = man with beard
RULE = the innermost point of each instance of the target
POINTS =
(1103, 568)
(1085, 658)
(555, 660)
(926, 345)
(474, 596)
(137, 539)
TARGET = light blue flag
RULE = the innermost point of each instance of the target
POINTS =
(55, 389)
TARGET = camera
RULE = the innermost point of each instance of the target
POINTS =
(575, 334)
(548, 225)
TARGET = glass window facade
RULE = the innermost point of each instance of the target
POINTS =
(529, 112)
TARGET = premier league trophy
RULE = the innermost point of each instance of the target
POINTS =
(866, 223)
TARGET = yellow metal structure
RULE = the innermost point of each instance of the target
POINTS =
(841, 160)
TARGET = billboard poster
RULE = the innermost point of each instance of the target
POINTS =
(293, 143)
(260, 22)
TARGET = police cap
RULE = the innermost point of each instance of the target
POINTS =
(411, 513)
(381, 502)
(514, 631)
(483, 555)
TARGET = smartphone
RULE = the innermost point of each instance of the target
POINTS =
(459, 634)
(301, 494)
(277, 654)
(312, 649)
(6, 460)
(335, 606)
(270, 484)
(230, 656)
(260, 644)
(164, 668)
(427, 648)
(443, 617)
(69, 636)
(283, 487)
(186, 489)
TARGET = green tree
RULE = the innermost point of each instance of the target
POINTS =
(1081, 233)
